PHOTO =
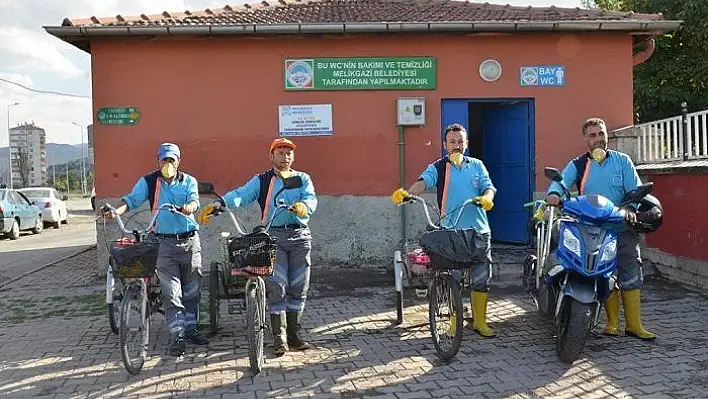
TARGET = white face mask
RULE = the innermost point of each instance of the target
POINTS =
(456, 158)
(169, 170)
(599, 154)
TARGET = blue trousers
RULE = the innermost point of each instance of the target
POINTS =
(287, 287)
(179, 267)
(481, 273)
(629, 261)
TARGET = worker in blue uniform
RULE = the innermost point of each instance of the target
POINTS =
(179, 261)
(611, 174)
(288, 286)
(457, 178)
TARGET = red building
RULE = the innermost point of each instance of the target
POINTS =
(521, 79)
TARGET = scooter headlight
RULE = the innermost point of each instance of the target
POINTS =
(609, 251)
(571, 242)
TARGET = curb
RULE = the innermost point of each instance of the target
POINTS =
(52, 263)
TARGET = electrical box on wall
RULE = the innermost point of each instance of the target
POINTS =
(411, 111)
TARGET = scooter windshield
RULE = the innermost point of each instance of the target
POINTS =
(593, 209)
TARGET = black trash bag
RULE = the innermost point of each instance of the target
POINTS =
(453, 249)
(130, 259)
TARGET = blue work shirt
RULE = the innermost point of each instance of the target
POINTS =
(251, 191)
(181, 191)
(469, 180)
(613, 178)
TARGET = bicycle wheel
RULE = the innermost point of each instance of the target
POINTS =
(134, 320)
(445, 310)
(113, 297)
(255, 308)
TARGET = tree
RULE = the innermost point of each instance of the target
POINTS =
(678, 69)
(23, 166)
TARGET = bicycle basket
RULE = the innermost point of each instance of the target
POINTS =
(132, 259)
(254, 252)
(453, 249)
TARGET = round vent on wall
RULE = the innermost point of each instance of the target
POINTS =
(490, 70)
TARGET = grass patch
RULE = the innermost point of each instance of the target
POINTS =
(19, 310)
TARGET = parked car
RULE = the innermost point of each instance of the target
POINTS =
(17, 214)
(48, 200)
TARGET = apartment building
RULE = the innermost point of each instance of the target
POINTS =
(29, 155)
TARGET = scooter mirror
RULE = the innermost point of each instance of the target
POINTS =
(553, 174)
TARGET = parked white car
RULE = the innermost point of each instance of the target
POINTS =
(48, 200)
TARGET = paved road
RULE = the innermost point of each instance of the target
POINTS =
(56, 343)
(31, 251)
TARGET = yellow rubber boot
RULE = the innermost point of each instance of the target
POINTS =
(479, 313)
(612, 310)
(633, 315)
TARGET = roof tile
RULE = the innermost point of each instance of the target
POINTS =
(362, 11)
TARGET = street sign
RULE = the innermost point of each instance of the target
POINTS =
(118, 116)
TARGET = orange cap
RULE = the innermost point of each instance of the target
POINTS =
(282, 142)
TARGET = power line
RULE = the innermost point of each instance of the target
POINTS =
(56, 93)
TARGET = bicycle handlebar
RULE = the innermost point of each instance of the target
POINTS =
(281, 206)
(415, 198)
(170, 207)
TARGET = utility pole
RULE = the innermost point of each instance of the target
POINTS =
(54, 169)
(9, 144)
(83, 160)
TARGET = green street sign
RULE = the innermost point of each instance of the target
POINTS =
(118, 116)
(372, 73)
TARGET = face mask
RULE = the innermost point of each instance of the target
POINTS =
(285, 173)
(456, 158)
(168, 170)
(599, 154)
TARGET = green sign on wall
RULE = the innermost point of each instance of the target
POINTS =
(118, 116)
(378, 73)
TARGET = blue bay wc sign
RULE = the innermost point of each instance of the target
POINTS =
(547, 76)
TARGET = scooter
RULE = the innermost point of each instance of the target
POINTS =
(573, 270)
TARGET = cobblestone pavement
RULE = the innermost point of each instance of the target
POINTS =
(55, 343)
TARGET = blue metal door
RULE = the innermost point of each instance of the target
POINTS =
(454, 111)
(506, 148)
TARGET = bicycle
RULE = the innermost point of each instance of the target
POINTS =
(133, 261)
(442, 246)
(114, 292)
(251, 255)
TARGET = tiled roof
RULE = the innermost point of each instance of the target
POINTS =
(361, 11)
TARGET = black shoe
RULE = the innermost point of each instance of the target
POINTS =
(177, 345)
(195, 337)
(277, 323)
(294, 340)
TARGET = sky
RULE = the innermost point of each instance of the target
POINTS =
(33, 58)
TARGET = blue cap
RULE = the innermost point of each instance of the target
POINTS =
(168, 150)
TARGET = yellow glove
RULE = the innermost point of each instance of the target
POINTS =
(299, 208)
(486, 203)
(539, 213)
(204, 216)
(399, 195)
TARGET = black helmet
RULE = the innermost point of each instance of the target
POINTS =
(650, 215)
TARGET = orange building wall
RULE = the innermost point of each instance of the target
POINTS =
(218, 99)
